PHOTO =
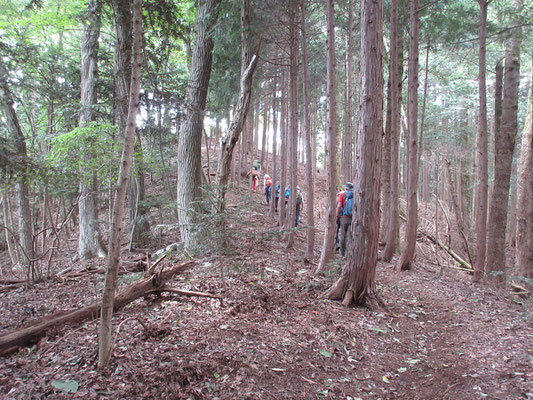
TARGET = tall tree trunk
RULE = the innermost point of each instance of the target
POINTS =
(309, 172)
(190, 140)
(396, 71)
(293, 118)
(347, 146)
(504, 148)
(248, 65)
(231, 138)
(510, 236)
(264, 137)
(122, 67)
(331, 143)
(25, 226)
(524, 217)
(283, 157)
(386, 165)
(274, 145)
(89, 242)
(357, 281)
(409, 240)
(113, 258)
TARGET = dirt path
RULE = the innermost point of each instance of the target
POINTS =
(276, 337)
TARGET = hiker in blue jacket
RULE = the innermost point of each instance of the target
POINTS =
(344, 213)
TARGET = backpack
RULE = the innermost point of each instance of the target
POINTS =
(348, 204)
(287, 192)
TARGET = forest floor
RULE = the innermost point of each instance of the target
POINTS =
(274, 335)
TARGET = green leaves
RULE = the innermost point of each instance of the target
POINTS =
(86, 151)
(325, 353)
(66, 386)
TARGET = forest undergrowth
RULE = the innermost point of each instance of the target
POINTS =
(274, 335)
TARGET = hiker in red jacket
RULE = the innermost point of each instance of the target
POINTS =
(255, 178)
(344, 214)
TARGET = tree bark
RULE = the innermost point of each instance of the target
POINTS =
(504, 148)
(264, 136)
(123, 51)
(25, 226)
(283, 156)
(293, 118)
(347, 146)
(386, 165)
(409, 240)
(274, 144)
(190, 140)
(524, 217)
(309, 172)
(331, 143)
(396, 50)
(357, 281)
(89, 242)
(113, 258)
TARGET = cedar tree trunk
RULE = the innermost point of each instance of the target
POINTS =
(356, 284)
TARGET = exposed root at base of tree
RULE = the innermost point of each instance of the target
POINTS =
(368, 299)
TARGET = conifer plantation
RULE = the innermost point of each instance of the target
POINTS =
(266, 199)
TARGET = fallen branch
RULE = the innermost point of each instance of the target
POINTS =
(31, 334)
(189, 293)
(12, 286)
(448, 250)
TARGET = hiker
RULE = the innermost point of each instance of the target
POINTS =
(344, 213)
(278, 189)
(299, 204)
(255, 177)
(268, 188)
(287, 193)
(337, 231)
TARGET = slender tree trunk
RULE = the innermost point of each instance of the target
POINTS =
(264, 136)
(424, 101)
(459, 218)
(357, 281)
(274, 145)
(510, 237)
(283, 161)
(123, 65)
(10, 239)
(347, 147)
(113, 258)
(89, 243)
(230, 139)
(396, 49)
(331, 143)
(190, 141)
(386, 166)
(293, 118)
(409, 240)
(309, 173)
(503, 157)
(248, 65)
(25, 226)
(524, 217)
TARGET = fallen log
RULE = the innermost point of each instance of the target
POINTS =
(31, 334)
(452, 253)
